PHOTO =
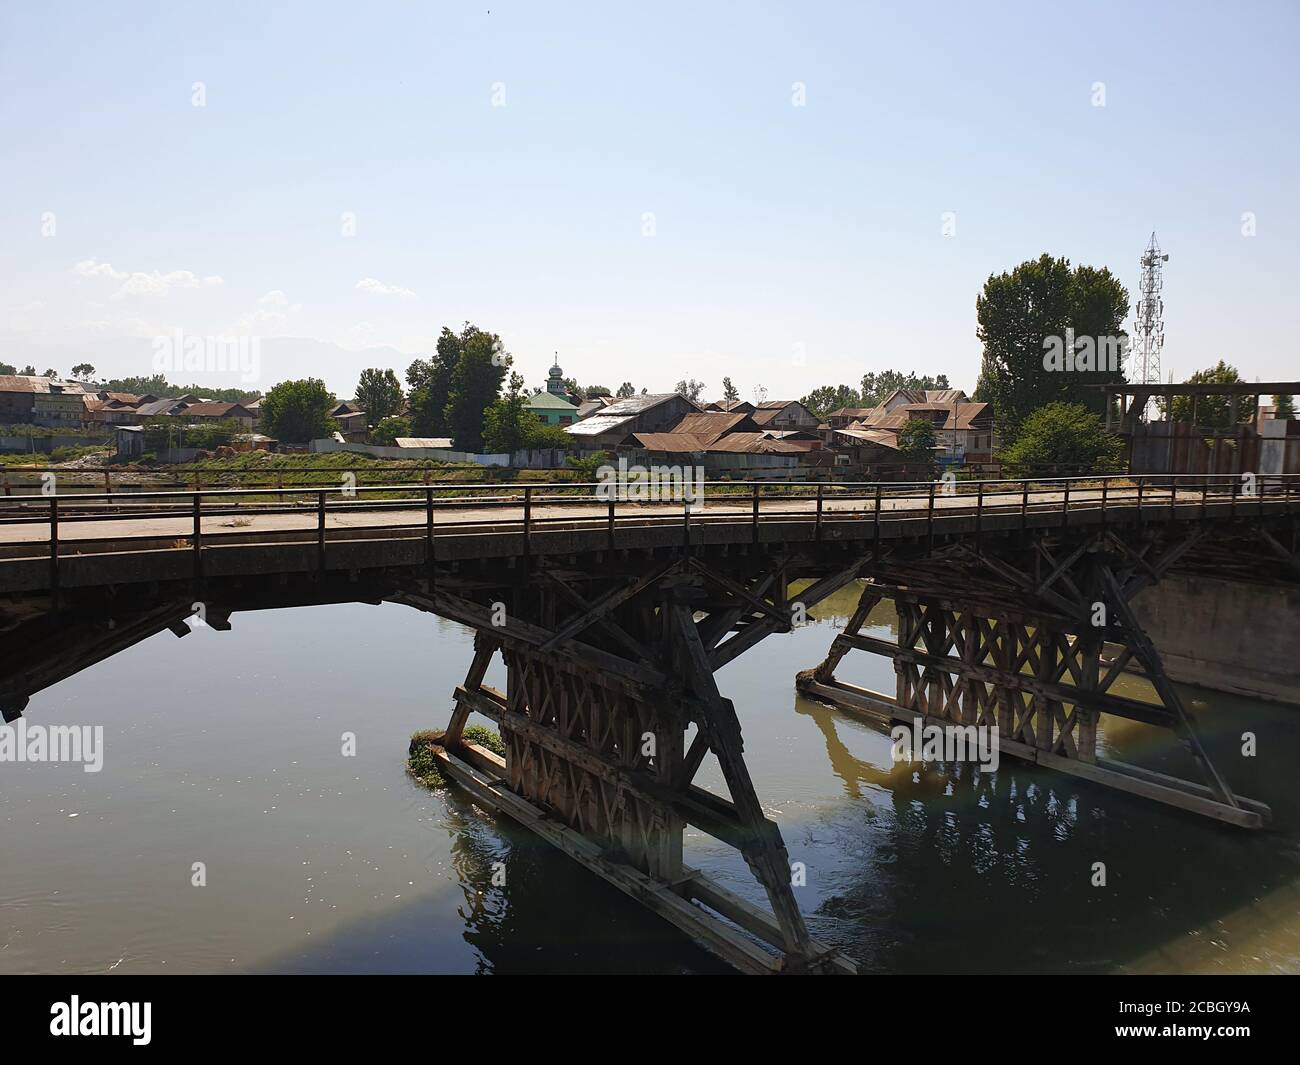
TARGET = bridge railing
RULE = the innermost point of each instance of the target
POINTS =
(67, 523)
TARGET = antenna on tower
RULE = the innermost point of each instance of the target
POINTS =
(1149, 319)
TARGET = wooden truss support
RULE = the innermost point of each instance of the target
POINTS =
(1039, 680)
(596, 760)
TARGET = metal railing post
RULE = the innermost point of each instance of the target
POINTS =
(757, 485)
(428, 531)
(528, 519)
(612, 493)
(198, 537)
(979, 515)
(929, 521)
(1024, 505)
(54, 550)
(818, 533)
(320, 530)
(1065, 509)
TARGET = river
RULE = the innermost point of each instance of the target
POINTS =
(226, 749)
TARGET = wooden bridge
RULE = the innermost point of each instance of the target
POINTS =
(1013, 597)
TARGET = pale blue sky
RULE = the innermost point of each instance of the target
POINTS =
(792, 246)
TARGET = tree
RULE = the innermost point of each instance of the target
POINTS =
(1213, 412)
(625, 390)
(1021, 313)
(821, 401)
(595, 391)
(691, 389)
(475, 383)
(8, 370)
(83, 371)
(730, 393)
(298, 411)
(1063, 438)
(29, 370)
(916, 440)
(876, 387)
(430, 385)
(379, 394)
(507, 423)
(1284, 407)
(389, 429)
(51, 374)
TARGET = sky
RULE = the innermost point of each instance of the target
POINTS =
(654, 192)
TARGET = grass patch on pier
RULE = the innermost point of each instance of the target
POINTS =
(423, 767)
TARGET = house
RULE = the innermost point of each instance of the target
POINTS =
(616, 424)
(62, 405)
(159, 408)
(846, 416)
(26, 400)
(129, 440)
(963, 430)
(552, 409)
(210, 411)
(710, 425)
(784, 414)
(594, 405)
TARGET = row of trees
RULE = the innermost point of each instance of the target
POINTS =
(876, 387)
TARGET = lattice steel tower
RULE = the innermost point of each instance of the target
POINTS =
(1149, 322)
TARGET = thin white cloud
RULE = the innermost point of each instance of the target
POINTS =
(274, 298)
(140, 283)
(379, 288)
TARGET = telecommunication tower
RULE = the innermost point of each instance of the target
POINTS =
(1149, 324)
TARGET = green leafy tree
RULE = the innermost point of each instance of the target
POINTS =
(1019, 311)
(691, 389)
(508, 425)
(595, 391)
(876, 386)
(549, 436)
(475, 384)
(1063, 437)
(29, 370)
(430, 385)
(83, 371)
(821, 401)
(52, 374)
(379, 394)
(626, 390)
(730, 393)
(298, 411)
(587, 465)
(916, 440)
(1213, 412)
(6, 368)
(1284, 407)
(389, 429)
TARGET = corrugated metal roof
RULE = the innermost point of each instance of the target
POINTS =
(600, 423)
(37, 385)
(640, 404)
(441, 443)
(677, 443)
(710, 424)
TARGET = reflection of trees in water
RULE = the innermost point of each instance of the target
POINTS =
(966, 871)
(552, 915)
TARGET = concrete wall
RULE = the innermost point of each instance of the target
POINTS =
(48, 443)
(544, 458)
(1231, 636)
